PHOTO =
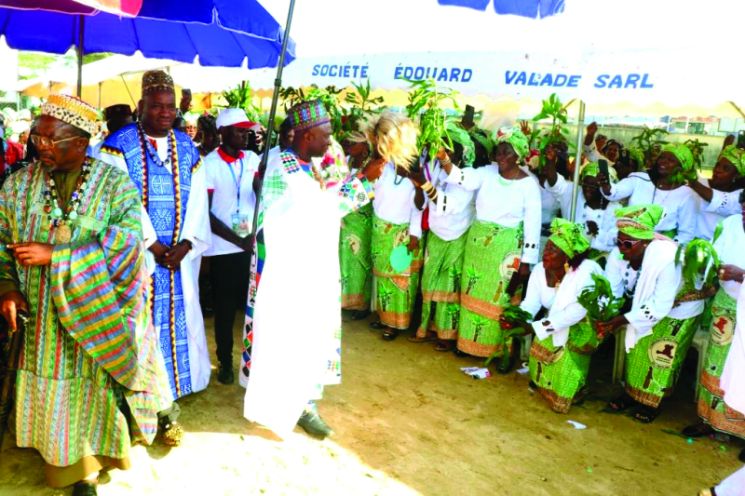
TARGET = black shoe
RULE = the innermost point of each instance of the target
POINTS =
(225, 375)
(360, 314)
(741, 457)
(83, 488)
(313, 424)
(377, 325)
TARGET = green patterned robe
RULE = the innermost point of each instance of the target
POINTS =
(395, 293)
(492, 255)
(355, 259)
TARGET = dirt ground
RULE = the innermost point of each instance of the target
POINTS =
(408, 421)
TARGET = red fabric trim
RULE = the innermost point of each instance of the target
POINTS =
(227, 158)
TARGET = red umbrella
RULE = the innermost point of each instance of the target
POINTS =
(122, 7)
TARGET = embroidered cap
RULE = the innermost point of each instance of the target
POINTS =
(306, 115)
(72, 111)
(155, 81)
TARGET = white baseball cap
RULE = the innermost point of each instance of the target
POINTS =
(234, 117)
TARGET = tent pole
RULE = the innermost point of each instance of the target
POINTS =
(272, 114)
(578, 159)
(81, 32)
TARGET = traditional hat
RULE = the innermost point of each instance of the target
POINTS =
(306, 115)
(115, 110)
(639, 221)
(736, 156)
(72, 111)
(569, 237)
(155, 81)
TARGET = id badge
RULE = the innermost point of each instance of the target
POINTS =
(241, 224)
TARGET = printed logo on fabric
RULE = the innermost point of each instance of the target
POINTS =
(662, 353)
(510, 264)
(722, 330)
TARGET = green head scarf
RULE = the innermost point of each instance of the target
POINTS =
(461, 136)
(685, 157)
(736, 156)
(482, 137)
(569, 237)
(639, 221)
(592, 169)
(516, 138)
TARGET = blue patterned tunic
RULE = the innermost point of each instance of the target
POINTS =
(164, 188)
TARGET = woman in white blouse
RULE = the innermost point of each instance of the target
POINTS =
(718, 197)
(565, 339)
(502, 242)
(663, 185)
(451, 213)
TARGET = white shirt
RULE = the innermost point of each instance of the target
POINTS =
(222, 181)
(730, 246)
(679, 204)
(540, 295)
(505, 202)
(452, 212)
(605, 240)
(394, 200)
(721, 206)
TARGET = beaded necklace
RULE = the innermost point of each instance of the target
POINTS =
(62, 218)
(150, 149)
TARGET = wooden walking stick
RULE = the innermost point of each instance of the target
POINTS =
(10, 355)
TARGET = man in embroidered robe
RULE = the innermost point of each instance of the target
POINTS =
(89, 380)
(165, 166)
(293, 354)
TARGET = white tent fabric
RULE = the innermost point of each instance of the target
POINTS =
(609, 77)
(672, 51)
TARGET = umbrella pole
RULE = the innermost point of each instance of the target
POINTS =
(81, 33)
(578, 159)
(270, 127)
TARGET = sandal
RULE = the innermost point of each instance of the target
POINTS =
(697, 430)
(460, 353)
(646, 414)
(377, 325)
(418, 339)
(390, 334)
(172, 433)
(620, 404)
(444, 345)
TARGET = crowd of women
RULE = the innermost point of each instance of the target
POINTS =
(481, 234)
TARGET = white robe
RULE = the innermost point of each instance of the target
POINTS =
(297, 313)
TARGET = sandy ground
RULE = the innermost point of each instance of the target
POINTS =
(407, 421)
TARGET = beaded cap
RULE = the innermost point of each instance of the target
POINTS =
(155, 81)
(306, 115)
(72, 111)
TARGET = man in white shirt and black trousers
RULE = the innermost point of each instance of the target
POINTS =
(230, 171)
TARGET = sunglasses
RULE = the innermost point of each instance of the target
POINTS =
(627, 244)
